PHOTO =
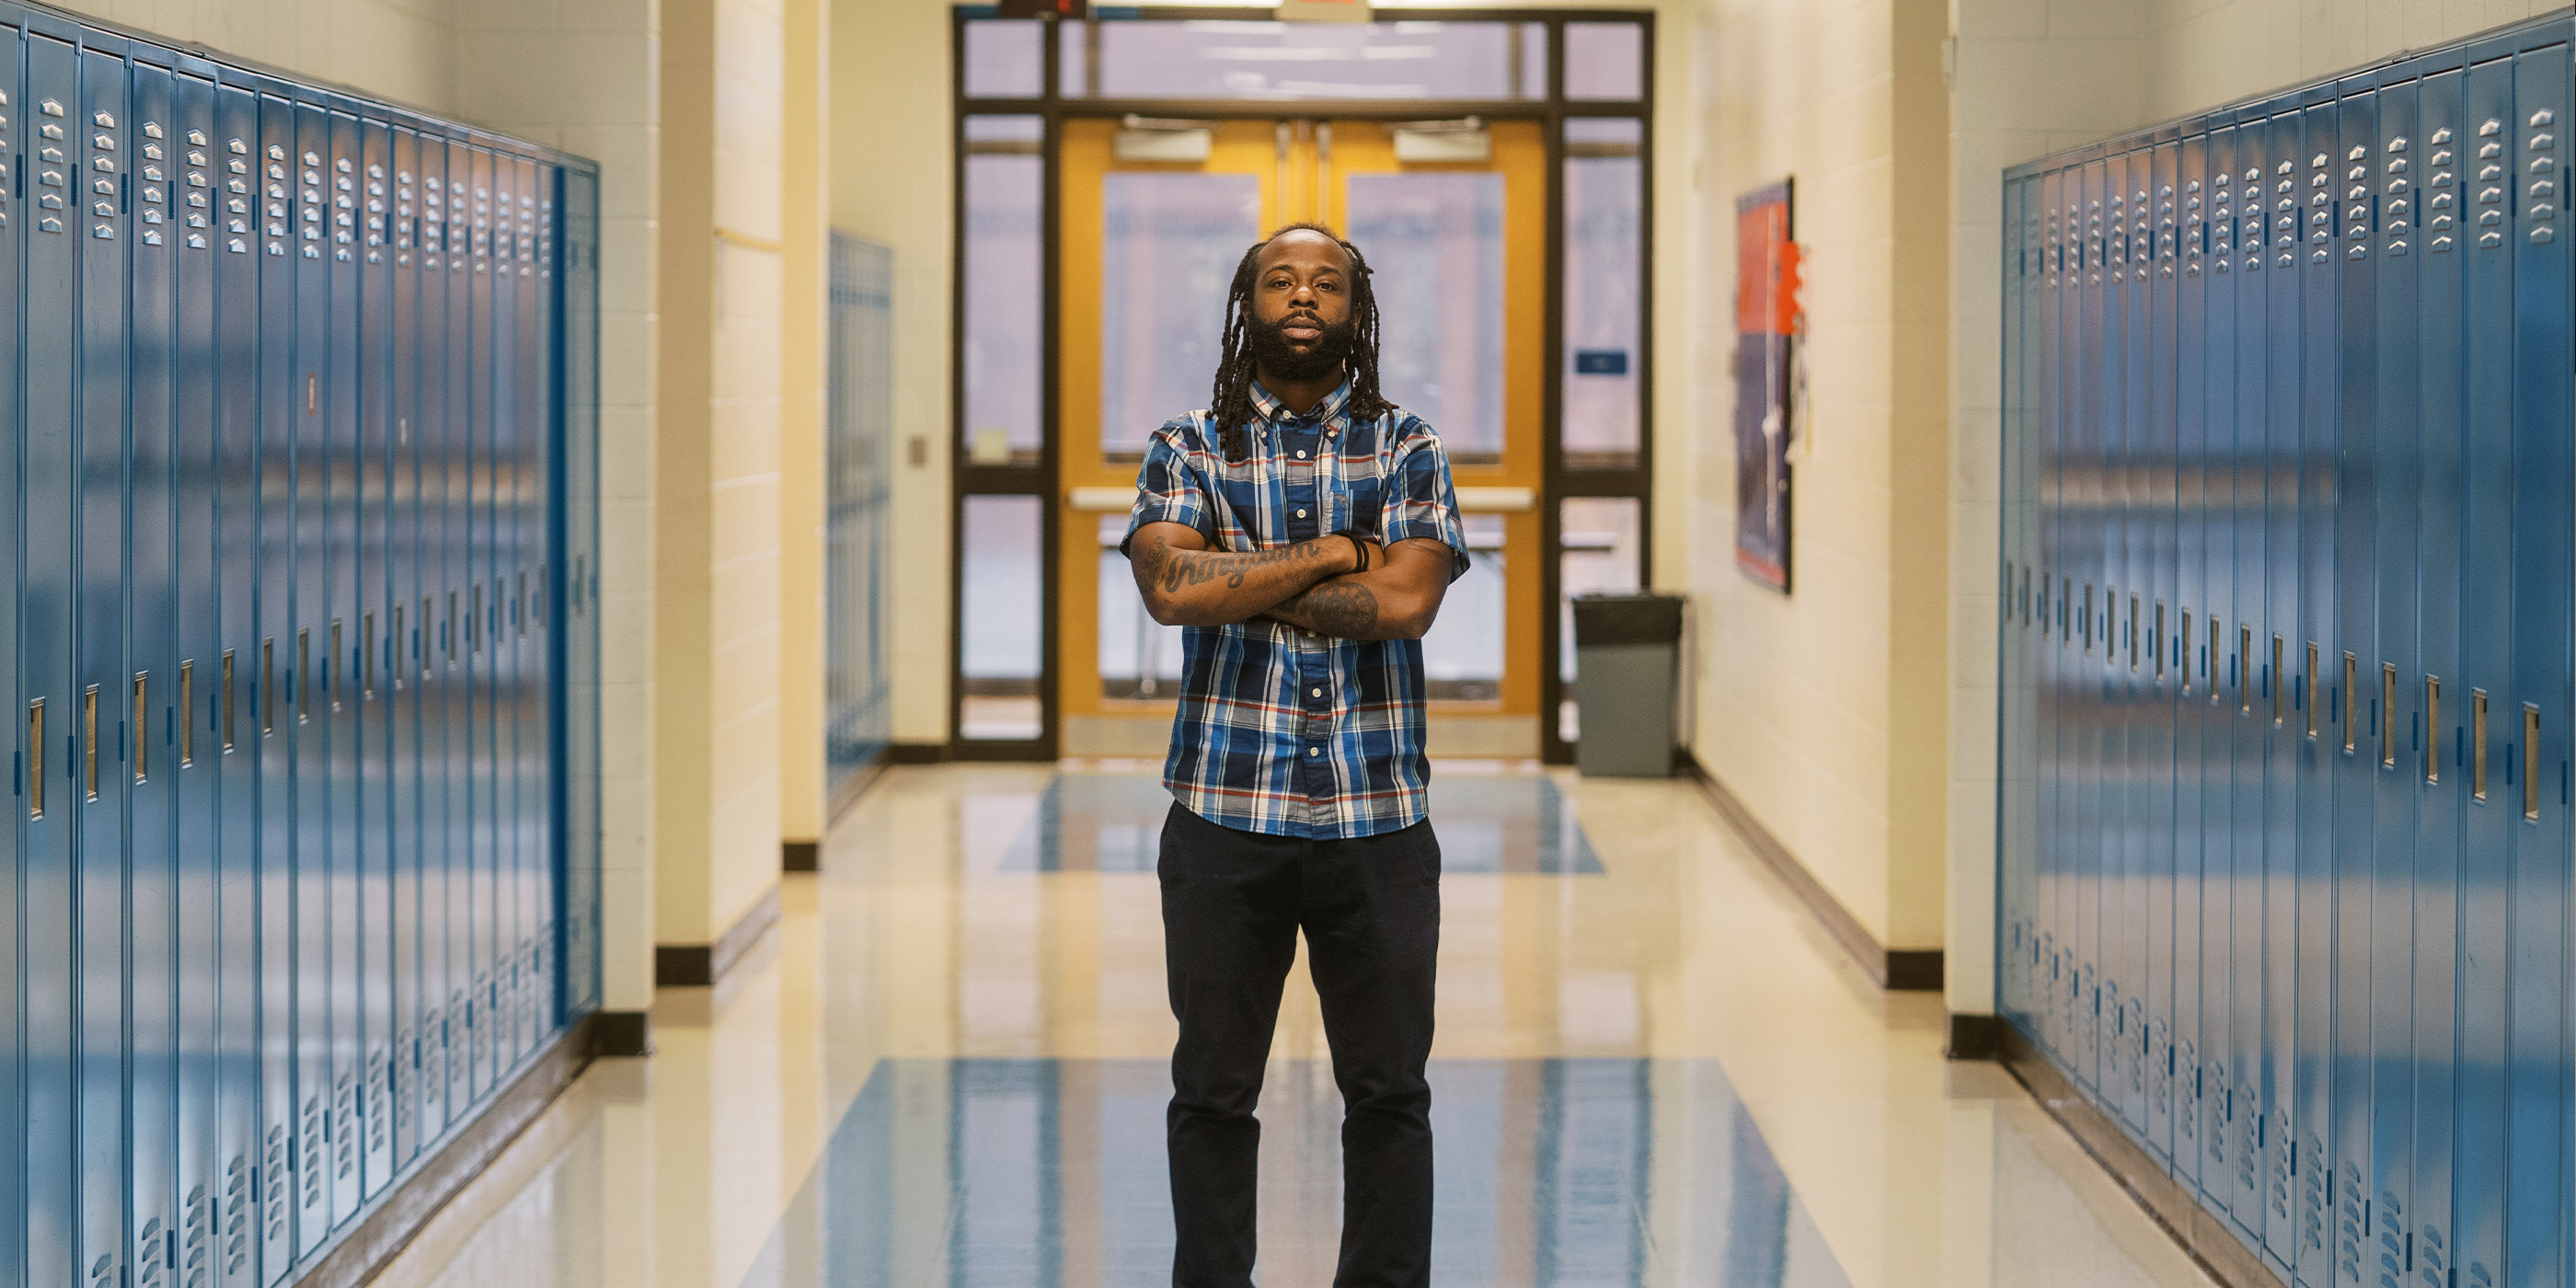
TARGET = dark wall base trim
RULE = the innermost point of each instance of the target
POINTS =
(916, 753)
(374, 1242)
(622, 1033)
(1974, 1037)
(702, 965)
(1908, 970)
(800, 856)
(2202, 1233)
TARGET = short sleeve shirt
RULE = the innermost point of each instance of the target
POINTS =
(1282, 730)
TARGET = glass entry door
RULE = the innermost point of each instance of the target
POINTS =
(1153, 216)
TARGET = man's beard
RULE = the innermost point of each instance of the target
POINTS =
(1272, 352)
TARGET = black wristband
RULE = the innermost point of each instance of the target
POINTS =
(1359, 548)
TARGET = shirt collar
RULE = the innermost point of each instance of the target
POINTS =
(1329, 411)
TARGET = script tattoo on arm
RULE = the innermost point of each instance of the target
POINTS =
(1195, 567)
(1341, 607)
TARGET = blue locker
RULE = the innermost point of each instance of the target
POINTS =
(577, 339)
(232, 707)
(381, 897)
(493, 234)
(2011, 563)
(2093, 817)
(15, 107)
(145, 699)
(2074, 626)
(467, 932)
(393, 211)
(2439, 464)
(100, 912)
(537, 563)
(50, 471)
(2248, 743)
(2050, 795)
(304, 651)
(528, 628)
(2524, 724)
(2129, 536)
(283, 1121)
(2191, 597)
(335, 704)
(2109, 917)
(447, 840)
(2282, 426)
(2156, 224)
(2388, 648)
(2485, 668)
(489, 1055)
(190, 164)
(2309, 631)
(2033, 635)
(2346, 1164)
(2213, 655)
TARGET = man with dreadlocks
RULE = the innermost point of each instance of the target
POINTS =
(1304, 530)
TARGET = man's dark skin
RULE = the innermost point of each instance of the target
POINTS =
(1301, 290)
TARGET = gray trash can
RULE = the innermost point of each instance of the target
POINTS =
(1627, 658)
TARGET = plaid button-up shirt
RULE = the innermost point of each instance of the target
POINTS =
(1282, 730)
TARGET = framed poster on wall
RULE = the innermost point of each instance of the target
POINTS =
(1766, 325)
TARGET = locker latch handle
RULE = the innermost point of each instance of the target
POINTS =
(2351, 667)
(2530, 762)
(2388, 715)
(89, 742)
(2478, 745)
(36, 759)
(142, 722)
(2432, 729)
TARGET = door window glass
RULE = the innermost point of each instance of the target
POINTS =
(1169, 246)
(1002, 59)
(1140, 658)
(1001, 340)
(1605, 61)
(1434, 243)
(1279, 60)
(1604, 291)
(1462, 653)
(1000, 629)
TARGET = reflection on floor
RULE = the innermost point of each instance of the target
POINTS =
(945, 1069)
(1053, 1173)
(1487, 824)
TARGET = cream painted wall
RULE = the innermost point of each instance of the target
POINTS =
(892, 183)
(715, 611)
(804, 224)
(1824, 710)
(402, 50)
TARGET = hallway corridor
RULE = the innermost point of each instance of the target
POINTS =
(946, 1067)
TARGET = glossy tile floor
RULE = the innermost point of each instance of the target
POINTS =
(946, 1069)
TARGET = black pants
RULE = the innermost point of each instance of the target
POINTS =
(1233, 903)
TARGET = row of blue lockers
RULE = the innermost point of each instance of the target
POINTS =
(2288, 573)
(302, 646)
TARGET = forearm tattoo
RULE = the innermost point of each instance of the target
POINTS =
(1341, 608)
(1179, 568)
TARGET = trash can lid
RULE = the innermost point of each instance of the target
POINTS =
(1627, 619)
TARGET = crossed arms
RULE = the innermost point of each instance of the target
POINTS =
(1307, 584)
